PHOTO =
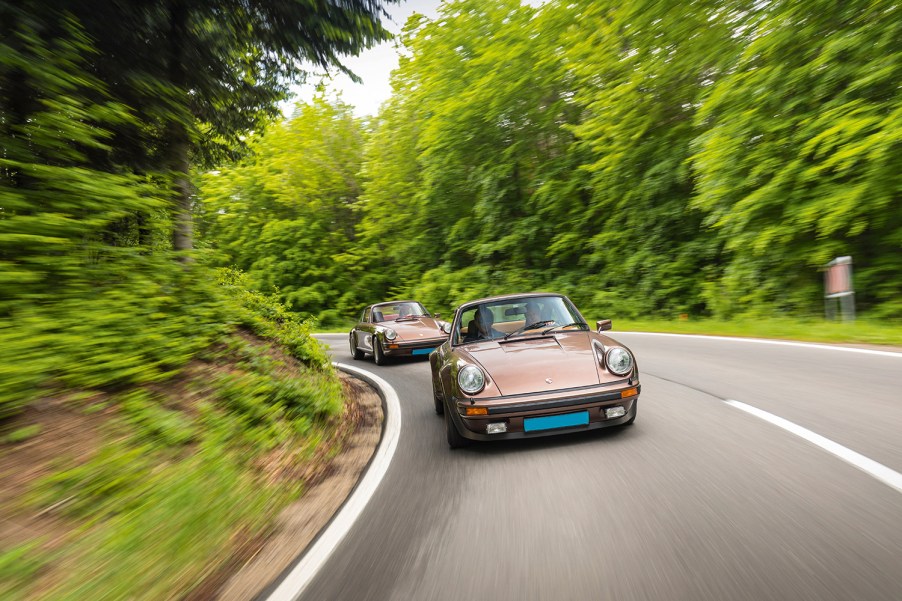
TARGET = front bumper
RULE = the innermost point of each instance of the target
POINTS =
(417, 347)
(514, 413)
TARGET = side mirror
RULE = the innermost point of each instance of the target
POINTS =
(446, 328)
(436, 315)
(603, 325)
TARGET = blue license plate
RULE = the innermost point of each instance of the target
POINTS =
(550, 422)
(422, 351)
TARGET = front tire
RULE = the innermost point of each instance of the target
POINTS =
(439, 403)
(378, 355)
(356, 353)
(455, 439)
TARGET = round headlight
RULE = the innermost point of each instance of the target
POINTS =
(619, 361)
(471, 379)
(390, 334)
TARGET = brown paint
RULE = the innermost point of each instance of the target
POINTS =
(533, 375)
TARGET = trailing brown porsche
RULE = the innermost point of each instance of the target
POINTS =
(396, 329)
(527, 365)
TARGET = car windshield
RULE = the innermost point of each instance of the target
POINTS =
(396, 311)
(510, 318)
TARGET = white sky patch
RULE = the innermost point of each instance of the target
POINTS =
(373, 66)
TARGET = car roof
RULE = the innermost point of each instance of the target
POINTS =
(502, 297)
(395, 302)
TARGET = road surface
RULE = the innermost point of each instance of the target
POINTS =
(699, 500)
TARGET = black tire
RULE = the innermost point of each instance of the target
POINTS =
(356, 353)
(455, 439)
(439, 403)
(635, 413)
(378, 355)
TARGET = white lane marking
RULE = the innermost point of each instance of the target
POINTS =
(297, 580)
(778, 342)
(869, 466)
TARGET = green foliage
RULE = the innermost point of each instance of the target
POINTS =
(275, 409)
(184, 448)
(18, 566)
(267, 317)
(151, 420)
(157, 524)
(810, 169)
(22, 434)
(126, 323)
(646, 159)
(284, 214)
(57, 205)
(861, 331)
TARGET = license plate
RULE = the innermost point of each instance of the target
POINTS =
(549, 422)
(422, 351)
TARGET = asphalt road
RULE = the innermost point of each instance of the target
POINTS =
(698, 500)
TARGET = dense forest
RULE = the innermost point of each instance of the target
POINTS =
(106, 112)
(647, 158)
(152, 406)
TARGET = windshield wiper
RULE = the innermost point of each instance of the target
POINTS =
(409, 317)
(531, 326)
(575, 323)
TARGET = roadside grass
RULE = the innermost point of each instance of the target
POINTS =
(195, 456)
(342, 328)
(861, 331)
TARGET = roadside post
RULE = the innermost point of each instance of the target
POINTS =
(838, 287)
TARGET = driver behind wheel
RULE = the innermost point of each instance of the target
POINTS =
(480, 327)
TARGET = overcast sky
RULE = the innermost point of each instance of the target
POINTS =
(374, 66)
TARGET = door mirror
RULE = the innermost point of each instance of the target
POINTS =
(436, 315)
(446, 328)
(603, 325)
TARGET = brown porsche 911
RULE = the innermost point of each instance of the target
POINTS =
(396, 329)
(528, 365)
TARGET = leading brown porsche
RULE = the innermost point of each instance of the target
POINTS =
(528, 365)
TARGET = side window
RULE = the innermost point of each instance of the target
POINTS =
(367, 315)
(465, 319)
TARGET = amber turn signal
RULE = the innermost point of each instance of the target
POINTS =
(477, 411)
(628, 392)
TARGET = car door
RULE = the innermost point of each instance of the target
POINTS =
(365, 330)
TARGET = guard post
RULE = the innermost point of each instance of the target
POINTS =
(838, 289)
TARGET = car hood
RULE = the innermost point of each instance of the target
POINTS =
(415, 329)
(525, 365)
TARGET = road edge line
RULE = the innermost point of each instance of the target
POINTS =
(876, 470)
(767, 341)
(296, 581)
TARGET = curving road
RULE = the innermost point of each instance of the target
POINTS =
(698, 500)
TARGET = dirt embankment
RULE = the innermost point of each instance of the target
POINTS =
(299, 523)
(70, 433)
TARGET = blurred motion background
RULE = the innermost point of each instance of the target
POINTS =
(648, 159)
(163, 224)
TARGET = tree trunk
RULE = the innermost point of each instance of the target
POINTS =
(179, 142)
(183, 230)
